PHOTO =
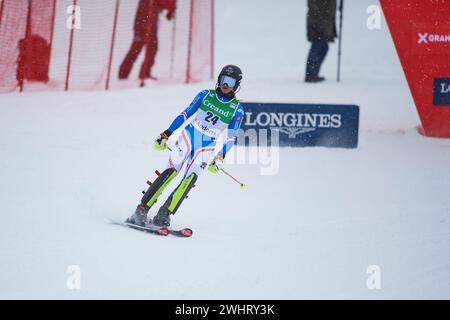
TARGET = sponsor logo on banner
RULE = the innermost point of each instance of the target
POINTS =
(426, 39)
(441, 92)
(306, 124)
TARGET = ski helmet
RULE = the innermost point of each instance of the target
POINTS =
(233, 72)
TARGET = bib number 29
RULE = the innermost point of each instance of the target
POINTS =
(210, 117)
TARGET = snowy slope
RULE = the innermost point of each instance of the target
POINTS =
(71, 161)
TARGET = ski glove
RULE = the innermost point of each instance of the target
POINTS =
(161, 141)
(216, 164)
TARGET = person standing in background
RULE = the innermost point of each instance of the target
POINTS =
(146, 34)
(321, 29)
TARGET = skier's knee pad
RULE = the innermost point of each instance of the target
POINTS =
(158, 186)
(180, 193)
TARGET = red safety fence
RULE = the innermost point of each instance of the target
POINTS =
(104, 44)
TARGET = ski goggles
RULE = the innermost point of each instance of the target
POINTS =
(231, 82)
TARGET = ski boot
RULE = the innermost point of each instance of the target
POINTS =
(162, 218)
(139, 216)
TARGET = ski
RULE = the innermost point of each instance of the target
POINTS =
(160, 231)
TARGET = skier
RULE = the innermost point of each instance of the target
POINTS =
(212, 111)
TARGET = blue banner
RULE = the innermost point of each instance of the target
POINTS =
(301, 125)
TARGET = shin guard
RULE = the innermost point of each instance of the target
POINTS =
(157, 187)
(174, 201)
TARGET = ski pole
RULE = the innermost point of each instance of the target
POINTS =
(240, 183)
(341, 9)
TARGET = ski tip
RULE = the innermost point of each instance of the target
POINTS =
(186, 232)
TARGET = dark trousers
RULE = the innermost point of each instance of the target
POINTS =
(317, 54)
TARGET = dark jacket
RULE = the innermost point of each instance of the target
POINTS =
(321, 20)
